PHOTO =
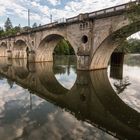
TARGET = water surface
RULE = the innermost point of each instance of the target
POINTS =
(54, 101)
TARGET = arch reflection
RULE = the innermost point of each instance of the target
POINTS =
(91, 99)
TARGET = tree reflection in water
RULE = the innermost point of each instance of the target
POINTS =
(121, 85)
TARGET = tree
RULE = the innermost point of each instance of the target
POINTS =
(1, 31)
(17, 28)
(26, 28)
(130, 46)
(63, 48)
(34, 25)
(8, 24)
(10, 82)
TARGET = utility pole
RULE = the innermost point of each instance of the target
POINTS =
(30, 101)
(28, 17)
(51, 18)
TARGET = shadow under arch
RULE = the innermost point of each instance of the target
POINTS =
(46, 47)
(20, 49)
(103, 53)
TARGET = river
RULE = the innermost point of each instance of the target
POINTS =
(53, 101)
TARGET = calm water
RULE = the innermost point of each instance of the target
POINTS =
(47, 101)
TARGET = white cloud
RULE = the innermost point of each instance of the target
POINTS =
(131, 94)
(136, 35)
(54, 2)
(2, 11)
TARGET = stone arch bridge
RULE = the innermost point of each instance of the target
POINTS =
(94, 36)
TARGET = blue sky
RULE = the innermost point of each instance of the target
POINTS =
(16, 10)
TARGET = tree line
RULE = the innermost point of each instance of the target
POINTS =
(131, 45)
(9, 30)
(63, 48)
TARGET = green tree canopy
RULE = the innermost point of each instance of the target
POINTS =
(64, 48)
(130, 46)
(34, 25)
(8, 24)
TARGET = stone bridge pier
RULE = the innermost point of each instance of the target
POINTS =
(93, 36)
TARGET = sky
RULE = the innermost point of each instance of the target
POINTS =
(41, 10)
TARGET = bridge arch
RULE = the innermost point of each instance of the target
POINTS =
(43, 78)
(3, 49)
(20, 69)
(103, 53)
(20, 49)
(45, 72)
(46, 47)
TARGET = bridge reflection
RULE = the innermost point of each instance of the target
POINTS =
(91, 98)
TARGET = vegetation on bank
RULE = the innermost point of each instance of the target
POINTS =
(64, 48)
(134, 13)
(130, 46)
(9, 30)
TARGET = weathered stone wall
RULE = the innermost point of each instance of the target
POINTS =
(108, 34)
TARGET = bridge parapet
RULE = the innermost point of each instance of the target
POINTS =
(98, 13)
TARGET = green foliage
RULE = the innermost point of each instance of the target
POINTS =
(1, 31)
(134, 13)
(8, 24)
(63, 48)
(130, 46)
(9, 30)
(34, 25)
(17, 28)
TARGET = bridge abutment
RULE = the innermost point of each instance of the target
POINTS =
(83, 62)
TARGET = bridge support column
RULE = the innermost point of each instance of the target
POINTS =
(45, 55)
(116, 72)
(83, 62)
(116, 66)
(45, 51)
(117, 58)
(31, 67)
(9, 54)
(31, 56)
